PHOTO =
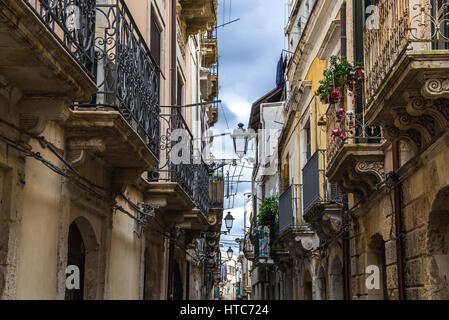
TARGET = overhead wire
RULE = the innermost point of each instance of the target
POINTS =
(37, 156)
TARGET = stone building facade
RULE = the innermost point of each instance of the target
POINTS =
(90, 95)
(370, 218)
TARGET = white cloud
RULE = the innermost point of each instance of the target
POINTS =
(239, 106)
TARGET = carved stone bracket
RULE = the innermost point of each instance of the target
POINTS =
(300, 241)
(357, 169)
(326, 220)
(35, 112)
(436, 89)
(421, 118)
(77, 149)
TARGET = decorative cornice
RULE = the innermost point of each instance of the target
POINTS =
(436, 88)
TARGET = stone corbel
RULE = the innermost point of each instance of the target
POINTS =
(335, 222)
(9, 94)
(212, 219)
(435, 89)
(123, 177)
(419, 106)
(374, 168)
(77, 149)
(35, 112)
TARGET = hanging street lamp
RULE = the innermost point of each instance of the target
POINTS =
(229, 221)
(240, 137)
(230, 253)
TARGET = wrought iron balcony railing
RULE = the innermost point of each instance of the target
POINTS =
(105, 40)
(181, 165)
(201, 191)
(399, 25)
(72, 22)
(216, 193)
(348, 127)
(290, 208)
(316, 188)
(261, 242)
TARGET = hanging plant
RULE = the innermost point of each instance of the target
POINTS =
(334, 80)
(338, 134)
(356, 76)
(268, 212)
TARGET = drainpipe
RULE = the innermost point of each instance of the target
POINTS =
(346, 251)
(398, 222)
(173, 103)
(345, 235)
(343, 30)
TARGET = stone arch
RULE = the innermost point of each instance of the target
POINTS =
(178, 286)
(306, 276)
(321, 284)
(308, 291)
(89, 258)
(438, 246)
(336, 283)
(376, 257)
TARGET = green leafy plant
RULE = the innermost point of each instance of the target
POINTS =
(270, 206)
(334, 77)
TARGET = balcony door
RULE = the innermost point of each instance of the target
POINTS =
(440, 26)
(76, 256)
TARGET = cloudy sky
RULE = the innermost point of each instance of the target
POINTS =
(249, 51)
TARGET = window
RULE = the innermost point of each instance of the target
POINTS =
(308, 141)
(155, 41)
(286, 174)
(180, 88)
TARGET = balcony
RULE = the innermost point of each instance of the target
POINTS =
(216, 193)
(214, 81)
(65, 51)
(181, 182)
(213, 114)
(44, 59)
(122, 118)
(406, 64)
(294, 234)
(199, 15)
(354, 156)
(261, 244)
(317, 190)
(209, 48)
(322, 201)
(127, 75)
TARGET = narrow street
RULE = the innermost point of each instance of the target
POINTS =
(220, 150)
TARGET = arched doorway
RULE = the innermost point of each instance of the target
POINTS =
(321, 284)
(178, 291)
(336, 280)
(82, 251)
(308, 292)
(76, 256)
(438, 247)
(376, 257)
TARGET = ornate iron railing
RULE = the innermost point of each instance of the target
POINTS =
(216, 192)
(72, 22)
(399, 25)
(348, 127)
(103, 37)
(202, 187)
(180, 164)
(316, 188)
(290, 208)
(126, 73)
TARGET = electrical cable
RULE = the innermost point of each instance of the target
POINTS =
(36, 155)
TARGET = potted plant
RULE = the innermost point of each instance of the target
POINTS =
(268, 212)
(356, 76)
(334, 80)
